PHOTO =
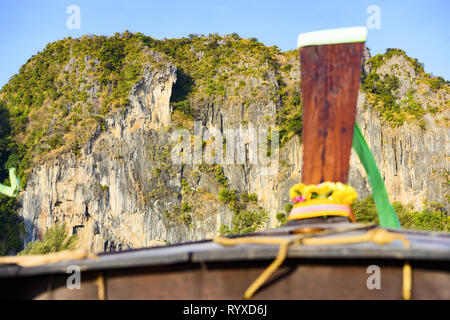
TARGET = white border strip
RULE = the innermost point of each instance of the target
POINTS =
(332, 36)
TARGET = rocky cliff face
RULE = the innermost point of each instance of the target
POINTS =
(110, 195)
(412, 161)
(124, 191)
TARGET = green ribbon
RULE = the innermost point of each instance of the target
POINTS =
(13, 190)
(386, 213)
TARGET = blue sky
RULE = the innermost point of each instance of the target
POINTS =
(421, 28)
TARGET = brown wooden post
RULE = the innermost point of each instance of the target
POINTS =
(330, 72)
(330, 76)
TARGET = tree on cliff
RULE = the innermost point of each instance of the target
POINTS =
(55, 239)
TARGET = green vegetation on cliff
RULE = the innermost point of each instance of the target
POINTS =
(12, 228)
(59, 99)
(382, 89)
(376, 61)
(215, 66)
(432, 218)
(382, 85)
(246, 221)
(241, 70)
(55, 239)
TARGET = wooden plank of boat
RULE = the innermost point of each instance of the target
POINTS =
(209, 271)
(424, 247)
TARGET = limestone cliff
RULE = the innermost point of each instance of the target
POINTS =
(124, 191)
